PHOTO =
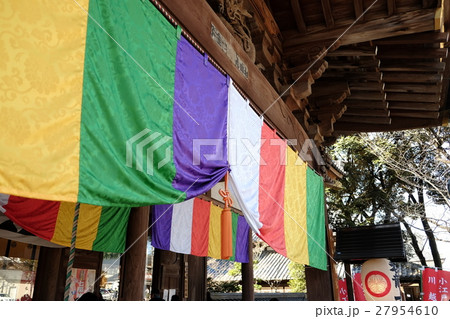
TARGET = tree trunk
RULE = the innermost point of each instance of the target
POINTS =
(414, 243)
(429, 231)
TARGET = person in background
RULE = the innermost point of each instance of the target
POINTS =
(156, 296)
(90, 296)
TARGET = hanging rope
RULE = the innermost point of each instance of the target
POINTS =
(72, 253)
(226, 224)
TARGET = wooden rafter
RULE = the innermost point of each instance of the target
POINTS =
(367, 96)
(414, 106)
(364, 112)
(316, 70)
(411, 77)
(397, 123)
(367, 104)
(355, 51)
(408, 97)
(413, 88)
(365, 119)
(396, 25)
(407, 53)
(297, 11)
(359, 9)
(355, 65)
(419, 115)
(412, 66)
(391, 6)
(417, 38)
(367, 76)
(327, 13)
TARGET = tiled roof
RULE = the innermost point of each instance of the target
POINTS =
(270, 266)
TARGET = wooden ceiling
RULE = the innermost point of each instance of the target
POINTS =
(351, 66)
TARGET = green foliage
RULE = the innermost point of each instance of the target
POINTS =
(369, 189)
(224, 286)
(298, 281)
(386, 176)
(236, 270)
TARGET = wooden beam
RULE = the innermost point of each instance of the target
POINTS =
(428, 3)
(408, 97)
(367, 104)
(337, 110)
(419, 115)
(412, 66)
(355, 51)
(367, 96)
(364, 119)
(391, 6)
(366, 86)
(301, 88)
(197, 21)
(414, 106)
(412, 77)
(366, 112)
(397, 124)
(326, 122)
(418, 38)
(407, 53)
(316, 70)
(355, 65)
(327, 88)
(367, 76)
(359, 9)
(327, 13)
(297, 11)
(412, 88)
(439, 19)
(326, 100)
(400, 24)
(265, 16)
(315, 133)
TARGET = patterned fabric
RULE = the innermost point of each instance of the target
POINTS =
(105, 107)
(99, 228)
(194, 227)
(281, 197)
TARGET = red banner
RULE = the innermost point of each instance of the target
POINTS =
(357, 288)
(343, 292)
(435, 285)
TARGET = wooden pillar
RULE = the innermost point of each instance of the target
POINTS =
(133, 261)
(52, 267)
(156, 273)
(248, 288)
(332, 262)
(318, 284)
(349, 281)
(196, 278)
(50, 274)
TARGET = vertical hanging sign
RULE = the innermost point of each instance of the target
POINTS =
(343, 292)
(436, 285)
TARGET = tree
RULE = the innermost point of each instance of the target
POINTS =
(298, 281)
(421, 162)
(386, 178)
(369, 193)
